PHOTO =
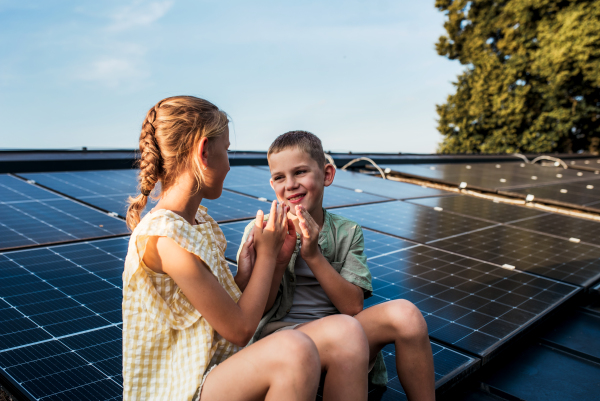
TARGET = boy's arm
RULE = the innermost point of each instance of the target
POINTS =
(345, 296)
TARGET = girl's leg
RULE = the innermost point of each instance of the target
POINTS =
(344, 353)
(283, 366)
(401, 323)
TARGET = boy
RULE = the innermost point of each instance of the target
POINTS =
(324, 273)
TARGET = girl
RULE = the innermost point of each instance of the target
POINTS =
(183, 314)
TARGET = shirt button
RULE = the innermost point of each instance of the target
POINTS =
(288, 311)
(292, 279)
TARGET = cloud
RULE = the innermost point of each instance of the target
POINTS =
(139, 13)
(114, 72)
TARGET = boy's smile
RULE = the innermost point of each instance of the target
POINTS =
(297, 180)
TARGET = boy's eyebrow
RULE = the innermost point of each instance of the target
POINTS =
(295, 168)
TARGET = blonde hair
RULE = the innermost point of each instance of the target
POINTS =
(170, 133)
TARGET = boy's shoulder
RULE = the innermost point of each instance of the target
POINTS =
(342, 224)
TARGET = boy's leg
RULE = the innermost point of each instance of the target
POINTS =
(283, 366)
(401, 323)
(344, 353)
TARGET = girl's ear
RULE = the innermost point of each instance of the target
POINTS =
(203, 153)
(329, 174)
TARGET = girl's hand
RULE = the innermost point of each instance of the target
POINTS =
(246, 263)
(310, 234)
(268, 240)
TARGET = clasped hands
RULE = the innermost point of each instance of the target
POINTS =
(309, 240)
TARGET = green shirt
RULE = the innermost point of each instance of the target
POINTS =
(342, 244)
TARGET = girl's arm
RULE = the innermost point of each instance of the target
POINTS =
(235, 322)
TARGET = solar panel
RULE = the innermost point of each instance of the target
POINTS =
(88, 183)
(16, 190)
(560, 259)
(84, 366)
(472, 305)
(569, 227)
(480, 208)
(387, 188)
(255, 182)
(580, 193)
(60, 309)
(493, 175)
(411, 221)
(27, 221)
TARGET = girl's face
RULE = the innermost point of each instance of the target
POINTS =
(217, 166)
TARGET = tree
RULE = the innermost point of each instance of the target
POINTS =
(532, 77)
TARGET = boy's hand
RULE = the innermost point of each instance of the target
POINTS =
(246, 262)
(310, 234)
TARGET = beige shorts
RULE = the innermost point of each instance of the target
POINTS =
(275, 327)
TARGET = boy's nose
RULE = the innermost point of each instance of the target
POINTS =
(290, 183)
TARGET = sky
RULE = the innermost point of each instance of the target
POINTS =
(362, 75)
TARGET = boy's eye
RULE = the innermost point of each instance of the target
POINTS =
(300, 171)
(277, 177)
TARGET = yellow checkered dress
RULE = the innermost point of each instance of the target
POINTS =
(167, 344)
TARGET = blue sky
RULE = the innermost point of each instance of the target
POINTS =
(362, 75)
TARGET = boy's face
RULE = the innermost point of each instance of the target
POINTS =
(297, 179)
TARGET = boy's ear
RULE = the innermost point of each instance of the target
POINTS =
(329, 174)
(271, 182)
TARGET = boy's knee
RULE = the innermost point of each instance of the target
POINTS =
(406, 319)
(346, 334)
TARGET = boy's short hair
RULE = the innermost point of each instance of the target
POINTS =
(302, 140)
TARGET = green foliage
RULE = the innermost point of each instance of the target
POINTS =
(532, 77)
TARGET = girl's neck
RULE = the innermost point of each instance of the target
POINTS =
(182, 198)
